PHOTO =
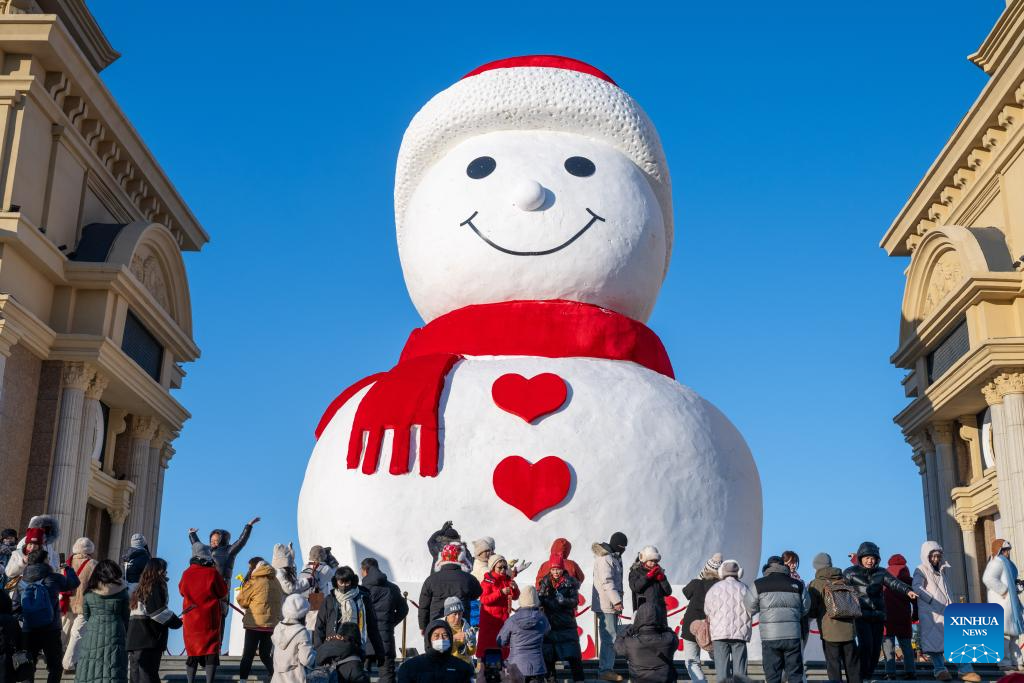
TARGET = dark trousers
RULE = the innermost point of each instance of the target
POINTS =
(386, 671)
(575, 666)
(839, 656)
(256, 640)
(47, 642)
(869, 645)
(144, 665)
(779, 655)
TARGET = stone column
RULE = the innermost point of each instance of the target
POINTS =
(1010, 386)
(952, 539)
(5, 351)
(75, 379)
(922, 469)
(117, 519)
(141, 430)
(165, 460)
(931, 475)
(92, 403)
(156, 446)
(968, 523)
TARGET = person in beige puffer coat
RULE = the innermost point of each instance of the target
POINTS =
(294, 655)
(728, 621)
(83, 564)
(261, 597)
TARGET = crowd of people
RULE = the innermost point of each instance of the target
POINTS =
(108, 622)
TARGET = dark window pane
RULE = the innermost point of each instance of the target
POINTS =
(948, 352)
(142, 347)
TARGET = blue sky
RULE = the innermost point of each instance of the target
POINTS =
(795, 132)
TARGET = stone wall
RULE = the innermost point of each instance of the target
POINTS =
(17, 414)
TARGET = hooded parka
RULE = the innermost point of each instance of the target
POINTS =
(388, 605)
(434, 666)
(932, 587)
(495, 606)
(607, 590)
(900, 609)
(204, 593)
(869, 583)
(103, 654)
(559, 601)
(562, 547)
(648, 647)
(293, 646)
(832, 630)
(261, 597)
(524, 634)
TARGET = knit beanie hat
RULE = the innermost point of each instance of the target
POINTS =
(821, 560)
(451, 552)
(452, 605)
(528, 596)
(618, 541)
(138, 541)
(482, 545)
(730, 568)
(295, 608)
(649, 552)
(83, 546)
(535, 92)
(35, 536)
(493, 561)
(557, 561)
(711, 567)
(202, 551)
(284, 556)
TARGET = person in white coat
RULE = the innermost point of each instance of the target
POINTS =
(931, 583)
(728, 621)
(606, 600)
(1004, 587)
(294, 655)
(482, 549)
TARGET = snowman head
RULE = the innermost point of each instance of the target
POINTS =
(533, 178)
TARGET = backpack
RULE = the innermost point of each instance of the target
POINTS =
(315, 597)
(841, 600)
(36, 605)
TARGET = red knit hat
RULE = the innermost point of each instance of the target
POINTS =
(451, 552)
(35, 536)
(557, 561)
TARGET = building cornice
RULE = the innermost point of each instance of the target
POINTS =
(1002, 39)
(88, 35)
(89, 108)
(23, 324)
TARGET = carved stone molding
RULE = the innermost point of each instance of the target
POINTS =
(97, 387)
(166, 454)
(146, 269)
(967, 520)
(142, 426)
(162, 436)
(941, 432)
(1010, 382)
(919, 460)
(77, 375)
(991, 394)
(946, 274)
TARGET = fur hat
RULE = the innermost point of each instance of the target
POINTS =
(451, 553)
(295, 608)
(493, 561)
(317, 554)
(557, 561)
(138, 541)
(730, 568)
(46, 522)
(83, 546)
(452, 605)
(649, 552)
(528, 597)
(535, 92)
(482, 545)
(711, 567)
(35, 535)
(821, 560)
(284, 556)
(202, 551)
(1000, 544)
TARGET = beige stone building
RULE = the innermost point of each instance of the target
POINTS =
(962, 328)
(95, 317)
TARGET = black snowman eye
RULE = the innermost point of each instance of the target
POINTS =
(581, 167)
(481, 167)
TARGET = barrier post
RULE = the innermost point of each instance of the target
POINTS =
(405, 596)
(597, 635)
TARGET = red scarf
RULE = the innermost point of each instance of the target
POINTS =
(410, 392)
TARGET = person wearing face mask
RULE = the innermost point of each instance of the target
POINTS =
(499, 590)
(438, 664)
(1004, 586)
(867, 578)
(349, 602)
(931, 583)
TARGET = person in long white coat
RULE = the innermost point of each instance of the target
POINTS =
(1004, 589)
(931, 583)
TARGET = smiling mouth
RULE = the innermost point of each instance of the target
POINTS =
(594, 218)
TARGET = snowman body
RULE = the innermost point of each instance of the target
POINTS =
(532, 184)
(647, 455)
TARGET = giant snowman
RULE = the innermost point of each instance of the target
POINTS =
(534, 218)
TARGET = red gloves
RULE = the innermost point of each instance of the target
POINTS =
(656, 573)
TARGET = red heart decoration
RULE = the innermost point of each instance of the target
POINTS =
(529, 487)
(529, 398)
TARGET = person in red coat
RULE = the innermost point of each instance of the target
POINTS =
(499, 590)
(205, 599)
(900, 614)
(562, 547)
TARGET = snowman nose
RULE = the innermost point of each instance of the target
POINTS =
(528, 195)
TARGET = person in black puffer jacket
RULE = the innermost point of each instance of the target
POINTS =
(149, 621)
(868, 578)
(695, 592)
(559, 597)
(648, 646)
(342, 653)
(648, 583)
(437, 664)
(135, 560)
(450, 580)
(10, 638)
(390, 607)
